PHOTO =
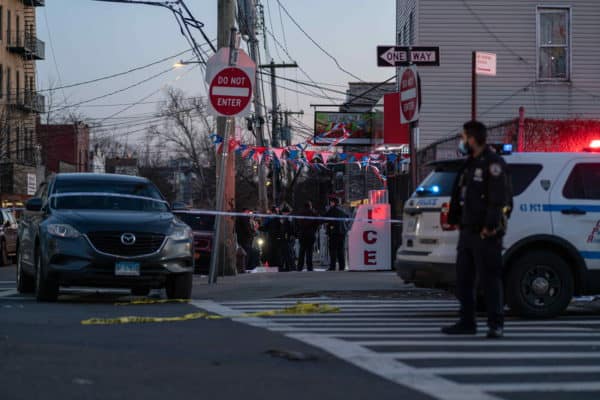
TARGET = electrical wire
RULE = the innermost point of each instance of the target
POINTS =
(113, 92)
(319, 46)
(492, 34)
(129, 71)
(54, 53)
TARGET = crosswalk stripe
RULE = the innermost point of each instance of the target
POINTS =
(364, 329)
(420, 322)
(499, 343)
(485, 355)
(538, 387)
(512, 370)
(528, 334)
(336, 330)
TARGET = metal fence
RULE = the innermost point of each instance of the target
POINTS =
(447, 148)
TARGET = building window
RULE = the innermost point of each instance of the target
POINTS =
(1, 81)
(1, 19)
(554, 44)
(406, 38)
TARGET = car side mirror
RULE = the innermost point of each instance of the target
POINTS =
(7, 224)
(34, 204)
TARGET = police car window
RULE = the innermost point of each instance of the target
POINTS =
(438, 183)
(584, 182)
(522, 175)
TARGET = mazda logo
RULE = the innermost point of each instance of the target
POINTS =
(128, 239)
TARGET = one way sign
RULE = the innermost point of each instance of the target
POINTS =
(398, 56)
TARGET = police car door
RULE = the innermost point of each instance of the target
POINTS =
(575, 208)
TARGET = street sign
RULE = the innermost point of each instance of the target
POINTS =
(231, 87)
(485, 63)
(230, 92)
(397, 56)
(409, 95)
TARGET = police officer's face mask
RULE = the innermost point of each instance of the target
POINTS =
(464, 148)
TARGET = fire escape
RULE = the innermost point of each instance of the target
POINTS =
(24, 42)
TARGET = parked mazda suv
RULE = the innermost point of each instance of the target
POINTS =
(102, 230)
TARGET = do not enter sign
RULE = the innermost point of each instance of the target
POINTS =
(230, 91)
(409, 95)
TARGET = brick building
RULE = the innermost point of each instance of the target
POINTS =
(19, 102)
(65, 147)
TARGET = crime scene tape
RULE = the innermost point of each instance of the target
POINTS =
(297, 309)
(306, 217)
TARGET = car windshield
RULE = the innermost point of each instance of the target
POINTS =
(107, 195)
(198, 222)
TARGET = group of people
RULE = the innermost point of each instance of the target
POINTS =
(282, 229)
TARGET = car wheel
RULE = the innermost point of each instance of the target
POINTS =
(46, 289)
(3, 254)
(539, 285)
(25, 283)
(140, 291)
(179, 286)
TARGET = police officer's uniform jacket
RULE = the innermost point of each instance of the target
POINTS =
(481, 196)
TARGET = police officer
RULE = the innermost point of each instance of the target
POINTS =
(480, 203)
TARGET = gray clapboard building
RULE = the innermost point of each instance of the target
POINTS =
(548, 59)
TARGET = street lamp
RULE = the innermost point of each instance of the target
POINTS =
(181, 63)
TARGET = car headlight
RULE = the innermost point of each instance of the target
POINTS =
(181, 233)
(63, 231)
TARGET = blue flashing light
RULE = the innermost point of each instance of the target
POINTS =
(420, 189)
(435, 189)
(507, 148)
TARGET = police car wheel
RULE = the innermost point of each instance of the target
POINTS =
(539, 285)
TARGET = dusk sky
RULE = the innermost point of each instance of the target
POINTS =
(87, 39)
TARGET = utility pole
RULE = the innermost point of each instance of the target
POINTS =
(259, 127)
(274, 113)
(224, 250)
(286, 124)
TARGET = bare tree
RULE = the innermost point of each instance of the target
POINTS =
(186, 132)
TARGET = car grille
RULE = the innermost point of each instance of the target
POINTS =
(110, 243)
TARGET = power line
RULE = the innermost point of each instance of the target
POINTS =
(488, 30)
(113, 92)
(337, 63)
(299, 67)
(54, 54)
(129, 71)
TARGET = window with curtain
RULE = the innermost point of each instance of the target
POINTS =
(554, 43)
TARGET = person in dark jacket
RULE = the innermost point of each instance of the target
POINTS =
(245, 231)
(289, 241)
(275, 237)
(336, 231)
(480, 205)
(307, 229)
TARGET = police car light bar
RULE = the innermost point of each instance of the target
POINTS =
(594, 147)
(502, 148)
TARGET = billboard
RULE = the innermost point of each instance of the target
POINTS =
(331, 126)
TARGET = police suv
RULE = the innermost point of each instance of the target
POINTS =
(552, 246)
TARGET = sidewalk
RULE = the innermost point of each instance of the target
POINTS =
(287, 284)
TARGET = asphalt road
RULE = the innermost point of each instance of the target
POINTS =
(379, 349)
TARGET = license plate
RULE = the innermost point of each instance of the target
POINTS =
(127, 268)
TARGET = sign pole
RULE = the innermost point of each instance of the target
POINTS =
(474, 86)
(223, 252)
